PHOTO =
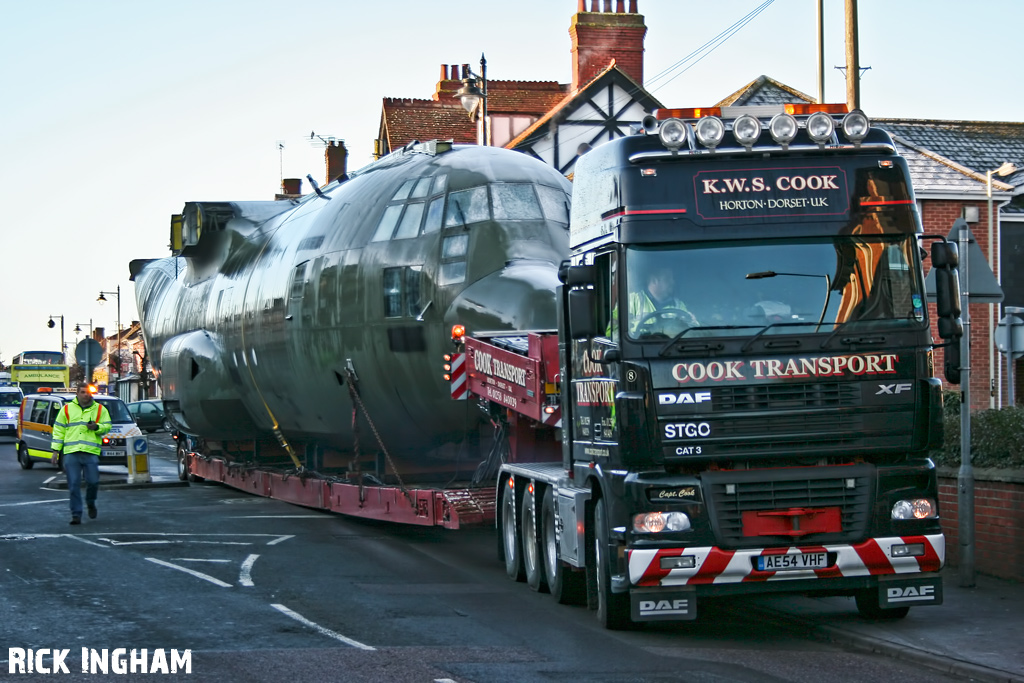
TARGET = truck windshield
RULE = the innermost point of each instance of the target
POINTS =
(773, 287)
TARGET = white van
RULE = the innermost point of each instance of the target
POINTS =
(10, 403)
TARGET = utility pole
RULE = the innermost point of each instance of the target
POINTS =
(852, 57)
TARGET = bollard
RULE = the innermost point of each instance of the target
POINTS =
(138, 460)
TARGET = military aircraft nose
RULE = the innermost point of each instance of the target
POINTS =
(520, 296)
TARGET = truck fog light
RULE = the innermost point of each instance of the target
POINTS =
(820, 127)
(908, 550)
(746, 129)
(673, 133)
(657, 522)
(710, 131)
(684, 562)
(855, 126)
(915, 508)
(783, 128)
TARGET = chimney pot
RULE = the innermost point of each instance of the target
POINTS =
(608, 6)
(632, 7)
(581, 6)
(291, 186)
(444, 72)
(620, 6)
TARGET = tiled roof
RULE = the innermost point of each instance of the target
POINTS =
(764, 90)
(932, 174)
(979, 146)
(405, 120)
(534, 98)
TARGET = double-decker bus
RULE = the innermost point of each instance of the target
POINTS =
(33, 370)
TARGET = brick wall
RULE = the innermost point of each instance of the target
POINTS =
(998, 521)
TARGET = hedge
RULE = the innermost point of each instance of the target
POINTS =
(997, 436)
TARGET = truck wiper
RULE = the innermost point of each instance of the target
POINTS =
(671, 342)
(764, 329)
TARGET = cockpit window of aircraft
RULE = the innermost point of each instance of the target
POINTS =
(440, 183)
(435, 210)
(453, 259)
(387, 223)
(403, 191)
(406, 213)
(514, 202)
(555, 204)
(422, 188)
(467, 206)
(410, 223)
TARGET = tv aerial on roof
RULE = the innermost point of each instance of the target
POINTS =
(320, 140)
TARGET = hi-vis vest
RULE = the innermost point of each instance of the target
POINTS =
(641, 305)
(70, 433)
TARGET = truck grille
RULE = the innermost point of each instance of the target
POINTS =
(787, 396)
(731, 493)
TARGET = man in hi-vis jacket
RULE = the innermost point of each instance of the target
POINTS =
(78, 431)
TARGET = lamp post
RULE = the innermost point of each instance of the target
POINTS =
(102, 298)
(63, 346)
(473, 95)
(78, 331)
(1005, 169)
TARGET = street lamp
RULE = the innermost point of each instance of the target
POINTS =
(1005, 169)
(63, 346)
(78, 331)
(473, 95)
(102, 298)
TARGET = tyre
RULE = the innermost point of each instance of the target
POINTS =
(182, 465)
(510, 539)
(566, 586)
(24, 460)
(867, 605)
(613, 609)
(533, 567)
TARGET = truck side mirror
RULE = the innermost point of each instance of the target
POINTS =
(945, 259)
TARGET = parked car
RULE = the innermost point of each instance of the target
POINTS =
(10, 401)
(149, 415)
(35, 429)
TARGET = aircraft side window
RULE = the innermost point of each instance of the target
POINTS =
(403, 191)
(453, 259)
(392, 292)
(435, 210)
(402, 292)
(387, 223)
(467, 206)
(454, 246)
(412, 291)
(298, 280)
(555, 204)
(422, 188)
(514, 201)
(410, 223)
(327, 301)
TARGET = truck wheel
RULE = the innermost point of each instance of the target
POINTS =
(867, 605)
(23, 458)
(182, 465)
(612, 608)
(511, 542)
(531, 547)
(567, 587)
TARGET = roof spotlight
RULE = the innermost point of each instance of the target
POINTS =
(783, 128)
(820, 127)
(855, 126)
(673, 133)
(746, 129)
(710, 131)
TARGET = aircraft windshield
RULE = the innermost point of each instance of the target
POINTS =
(773, 287)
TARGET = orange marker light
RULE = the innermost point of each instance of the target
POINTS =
(458, 332)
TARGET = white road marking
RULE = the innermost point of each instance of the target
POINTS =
(87, 542)
(197, 559)
(245, 576)
(169, 542)
(280, 539)
(320, 516)
(34, 502)
(325, 631)
(200, 575)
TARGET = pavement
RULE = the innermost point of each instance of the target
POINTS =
(977, 633)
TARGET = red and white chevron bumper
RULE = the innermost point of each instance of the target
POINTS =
(713, 565)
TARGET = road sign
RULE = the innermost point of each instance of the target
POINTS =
(89, 352)
(1009, 335)
(982, 287)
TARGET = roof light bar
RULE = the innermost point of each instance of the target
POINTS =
(674, 133)
(688, 113)
(812, 108)
(746, 129)
(855, 126)
(820, 127)
(783, 128)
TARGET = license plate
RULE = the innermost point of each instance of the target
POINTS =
(114, 454)
(776, 563)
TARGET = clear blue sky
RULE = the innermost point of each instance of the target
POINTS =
(117, 112)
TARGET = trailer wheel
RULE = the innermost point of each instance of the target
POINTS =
(532, 564)
(511, 541)
(194, 478)
(24, 459)
(867, 605)
(182, 465)
(567, 587)
(613, 609)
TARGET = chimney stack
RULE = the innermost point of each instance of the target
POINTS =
(336, 157)
(291, 186)
(598, 37)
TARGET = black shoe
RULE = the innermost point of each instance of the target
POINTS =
(92, 512)
(76, 520)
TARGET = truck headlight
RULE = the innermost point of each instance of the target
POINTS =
(657, 522)
(915, 508)
(673, 133)
(820, 127)
(746, 129)
(710, 131)
(855, 126)
(783, 128)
